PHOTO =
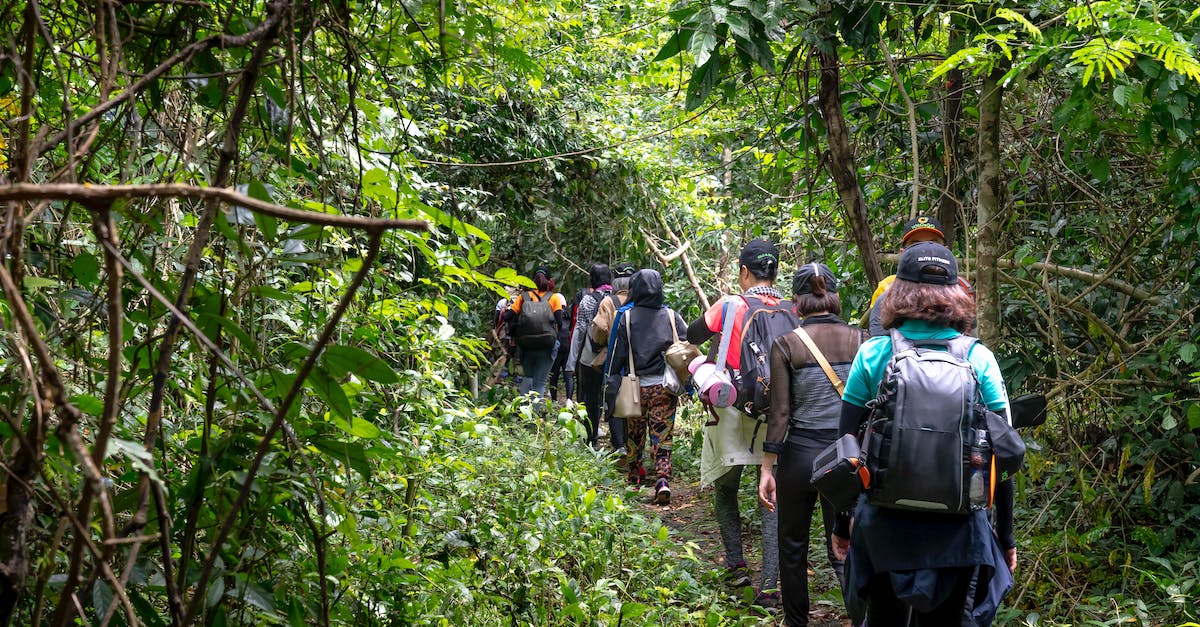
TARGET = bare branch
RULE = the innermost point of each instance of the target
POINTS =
(91, 195)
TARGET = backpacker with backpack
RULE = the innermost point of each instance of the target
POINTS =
(927, 442)
(761, 324)
(535, 323)
(592, 348)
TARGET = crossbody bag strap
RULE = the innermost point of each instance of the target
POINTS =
(629, 340)
(671, 321)
(820, 357)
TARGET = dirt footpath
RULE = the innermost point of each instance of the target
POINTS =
(690, 518)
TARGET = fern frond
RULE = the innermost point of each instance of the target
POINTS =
(1020, 20)
(1109, 57)
(963, 55)
(1177, 57)
(1088, 15)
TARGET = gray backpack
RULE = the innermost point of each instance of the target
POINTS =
(926, 444)
(535, 324)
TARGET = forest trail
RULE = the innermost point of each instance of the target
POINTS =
(690, 518)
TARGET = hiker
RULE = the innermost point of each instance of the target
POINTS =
(919, 229)
(535, 317)
(730, 444)
(598, 330)
(501, 339)
(585, 355)
(558, 370)
(645, 332)
(806, 405)
(902, 559)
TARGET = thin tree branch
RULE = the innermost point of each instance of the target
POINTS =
(912, 126)
(183, 56)
(90, 195)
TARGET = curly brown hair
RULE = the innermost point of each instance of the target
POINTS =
(820, 298)
(943, 305)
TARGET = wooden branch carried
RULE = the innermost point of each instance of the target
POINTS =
(97, 195)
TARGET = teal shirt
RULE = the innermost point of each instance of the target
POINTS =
(865, 373)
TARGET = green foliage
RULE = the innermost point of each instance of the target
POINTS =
(1120, 35)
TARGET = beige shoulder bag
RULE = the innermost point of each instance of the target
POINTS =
(629, 396)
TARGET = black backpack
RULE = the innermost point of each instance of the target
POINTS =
(927, 444)
(535, 324)
(761, 324)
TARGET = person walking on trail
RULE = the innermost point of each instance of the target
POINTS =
(583, 353)
(901, 560)
(558, 370)
(645, 330)
(731, 444)
(806, 404)
(598, 330)
(919, 229)
(535, 317)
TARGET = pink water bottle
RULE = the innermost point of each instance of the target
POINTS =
(714, 385)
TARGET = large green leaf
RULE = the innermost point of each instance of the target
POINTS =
(704, 79)
(343, 360)
(352, 454)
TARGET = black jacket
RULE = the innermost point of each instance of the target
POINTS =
(649, 331)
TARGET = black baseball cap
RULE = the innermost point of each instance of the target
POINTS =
(921, 224)
(928, 262)
(761, 257)
(623, 269)
(802, 280)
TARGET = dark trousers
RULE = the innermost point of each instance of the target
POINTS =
(559, 369)
(591, 383)
(796, 500)
(616, 426)
(885, 610)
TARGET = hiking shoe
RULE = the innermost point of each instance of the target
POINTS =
(738, 576)
(662, 493)
(768, 600)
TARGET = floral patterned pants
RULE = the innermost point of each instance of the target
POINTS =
(658, 418)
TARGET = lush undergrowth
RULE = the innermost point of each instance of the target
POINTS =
(518, 522)
(1105, 538)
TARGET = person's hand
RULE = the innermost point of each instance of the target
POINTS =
(766, 488)
(1010, 558)
(841, 547)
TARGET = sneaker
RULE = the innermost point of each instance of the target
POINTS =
(738, 576)
(768, 600)
(662, 493)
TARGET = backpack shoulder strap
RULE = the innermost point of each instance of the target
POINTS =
(727, 315)
(531, 297)
(961, 346)
(820, 357)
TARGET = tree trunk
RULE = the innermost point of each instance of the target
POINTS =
(14, 531)
(841, 164)
(950, 202)
(986, 287)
